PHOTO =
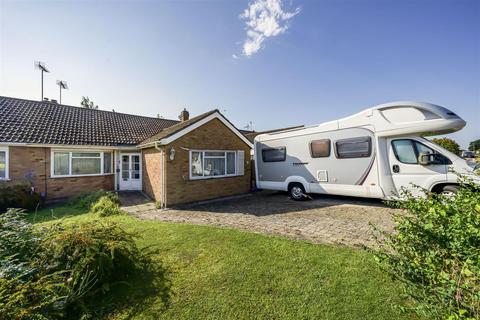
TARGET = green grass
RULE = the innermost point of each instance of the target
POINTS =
(219, 273)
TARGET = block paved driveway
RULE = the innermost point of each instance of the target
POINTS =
(325, 219)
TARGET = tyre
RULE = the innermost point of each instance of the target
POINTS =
(296, 191)
(449, 191)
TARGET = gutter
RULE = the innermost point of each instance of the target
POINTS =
(66, 146)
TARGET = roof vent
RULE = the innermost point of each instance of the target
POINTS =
(45, 99)
(53, 101)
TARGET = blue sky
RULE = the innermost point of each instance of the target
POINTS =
(329, 59)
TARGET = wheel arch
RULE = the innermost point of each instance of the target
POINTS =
(437, 188)
(297, 179)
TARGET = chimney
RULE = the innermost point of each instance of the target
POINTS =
(184, 115)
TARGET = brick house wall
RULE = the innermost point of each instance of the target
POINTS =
(32, 163)
(213, 135)
(151, 173)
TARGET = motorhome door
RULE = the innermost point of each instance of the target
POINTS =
(407, 168)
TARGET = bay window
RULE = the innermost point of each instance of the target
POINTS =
(3, 163)
(213, 164)
(81, 163)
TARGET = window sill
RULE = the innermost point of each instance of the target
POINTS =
(215, 177)
(82, 175)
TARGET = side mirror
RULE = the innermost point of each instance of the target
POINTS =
(425, 158)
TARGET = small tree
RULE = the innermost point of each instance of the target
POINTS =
(449, 144)
(474, 145)
(87, 103)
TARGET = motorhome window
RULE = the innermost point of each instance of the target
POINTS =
(407, 151)
(360, 147)
(320, 148)
(274, 154)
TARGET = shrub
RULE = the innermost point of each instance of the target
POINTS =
(25, 293)
(97, 256)
(435, 252)
(64, 271)
(105, 206)
(18, 195)
(88, 199)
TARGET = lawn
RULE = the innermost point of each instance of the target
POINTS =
(219, 273)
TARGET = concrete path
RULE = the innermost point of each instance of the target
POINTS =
(325, 219)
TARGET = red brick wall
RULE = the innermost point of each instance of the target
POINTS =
(213, 135)
(34, 163)
(151, 173)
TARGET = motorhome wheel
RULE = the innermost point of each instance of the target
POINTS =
(297, 192)
(449, 191)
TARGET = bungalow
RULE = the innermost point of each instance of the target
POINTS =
(65, 150)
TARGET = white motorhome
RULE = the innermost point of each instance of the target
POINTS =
(371, 154)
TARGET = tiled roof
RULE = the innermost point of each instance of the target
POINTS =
(26, 121)
(176, 128)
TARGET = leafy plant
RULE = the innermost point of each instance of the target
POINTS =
(63, 271)
(88, 199)
(105, 206)
(435, 252)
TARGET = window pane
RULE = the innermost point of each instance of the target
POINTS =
(125, 168)
(86, 154)
(197, 164)
(61, 163)
(274, 155)
(85, 166)
(230, 162)
(214, 166)
(214, 154)
(354, 147)
(423, 148)
(320, 148)
(107, 162)
(3, 165)
(135, 167)
(404, 151)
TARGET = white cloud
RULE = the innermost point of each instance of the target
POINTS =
(264, 19)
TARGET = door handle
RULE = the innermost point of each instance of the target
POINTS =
(396, 168)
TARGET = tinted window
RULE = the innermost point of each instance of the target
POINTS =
(274, 154)
(354, 147)
(320, 148)
(408, 151)
(405, 151)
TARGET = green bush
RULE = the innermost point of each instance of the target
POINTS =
(18, 195)
(64, 271)
(435, 252)
(98, 256)
(105, 206)
(88, 199)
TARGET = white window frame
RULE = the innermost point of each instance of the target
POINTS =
(212, 157)
(102, 173)
(7, 176)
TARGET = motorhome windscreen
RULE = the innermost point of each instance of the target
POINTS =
(360, 147)
(274, 154)
(320, 148)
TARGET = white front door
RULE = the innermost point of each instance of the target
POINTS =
(130, 171)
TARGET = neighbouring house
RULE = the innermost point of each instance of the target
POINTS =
(65, 150)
